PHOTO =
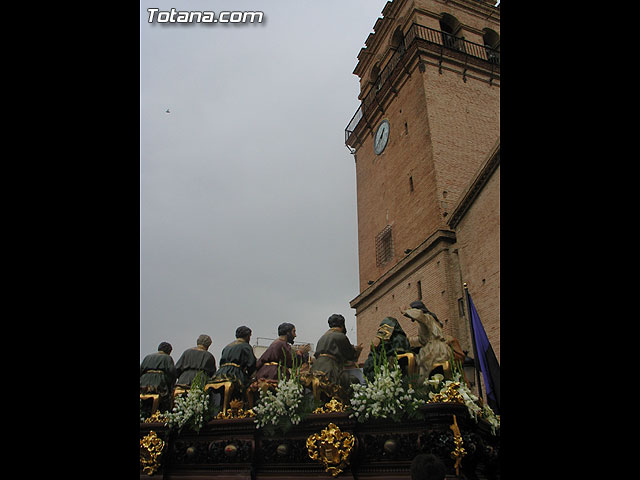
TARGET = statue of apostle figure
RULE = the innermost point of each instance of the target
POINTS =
(194, 360)
(334, 350)
(237, 361)
(280, 353)
(158, 375)
(392, 338)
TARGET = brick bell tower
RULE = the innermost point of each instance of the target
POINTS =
(426, 146)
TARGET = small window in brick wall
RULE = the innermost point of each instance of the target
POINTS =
(384, 247)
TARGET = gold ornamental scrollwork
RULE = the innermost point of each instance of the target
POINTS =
(236, 410)
(333, 406)
(332, 447)
(157, 417)
(458, 452)
(151, 448)
(450, 394)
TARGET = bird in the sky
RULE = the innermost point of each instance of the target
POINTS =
(167, 111)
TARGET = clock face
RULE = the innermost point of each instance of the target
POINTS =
(381, 138)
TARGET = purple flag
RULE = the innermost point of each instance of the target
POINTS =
(486, 360)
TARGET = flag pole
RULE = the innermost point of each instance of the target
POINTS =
(476, 360)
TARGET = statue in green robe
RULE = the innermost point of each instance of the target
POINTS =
(392, 338)
(333, 351)
(158, 375)
(238, 362)
(195, 360)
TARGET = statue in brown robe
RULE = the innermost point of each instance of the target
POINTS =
(280, 355)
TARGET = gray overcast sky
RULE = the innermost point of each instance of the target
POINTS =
(247, 191)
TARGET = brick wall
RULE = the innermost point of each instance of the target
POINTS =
(440, 293)
(384, 195)
(478, 242)
(444, 123)
(464, 123)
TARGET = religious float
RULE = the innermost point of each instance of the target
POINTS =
(305, 427)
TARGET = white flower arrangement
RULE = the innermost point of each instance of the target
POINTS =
(491, 417)
(388, 396)
(384, 397)
(190, 410)
(286, 405)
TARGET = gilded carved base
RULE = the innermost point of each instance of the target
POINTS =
(151, 449)
(332, 447)
(376, 450)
